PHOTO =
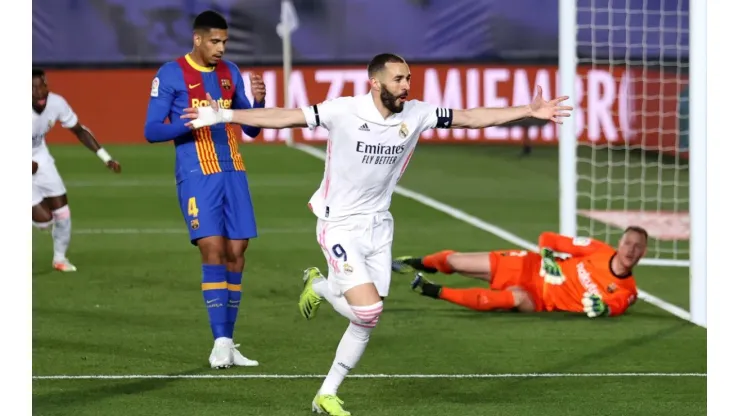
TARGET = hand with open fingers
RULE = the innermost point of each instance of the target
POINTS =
(258, 88)
(549, 110)
(206, 116)
(594, 306)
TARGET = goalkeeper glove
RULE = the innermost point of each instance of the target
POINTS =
(594, 306)
(550, 269)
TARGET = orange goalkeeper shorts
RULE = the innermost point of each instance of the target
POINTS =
(518, 268)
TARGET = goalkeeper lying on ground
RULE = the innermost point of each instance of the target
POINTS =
(596, 279)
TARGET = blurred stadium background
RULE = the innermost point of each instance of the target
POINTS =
(127, 334)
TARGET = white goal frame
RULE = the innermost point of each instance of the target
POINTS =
(568, 177)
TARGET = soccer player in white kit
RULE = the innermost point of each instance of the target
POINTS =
(371, 140)
(49, 207)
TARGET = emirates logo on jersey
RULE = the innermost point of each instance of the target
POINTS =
(378, 154)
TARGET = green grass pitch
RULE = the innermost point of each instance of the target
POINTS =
(135, 307)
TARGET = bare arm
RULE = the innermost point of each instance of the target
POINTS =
(86, 137)
(269, 118)
(477, 118)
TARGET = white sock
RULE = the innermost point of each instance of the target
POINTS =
(349, 351)
(321, 287)
(43, 225)
(61, 233)
(352, 346)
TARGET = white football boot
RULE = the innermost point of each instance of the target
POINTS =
(221, 354)
(239, 360)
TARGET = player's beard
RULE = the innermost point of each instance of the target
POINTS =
(389, 100)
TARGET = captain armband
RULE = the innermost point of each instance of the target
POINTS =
(444, 118)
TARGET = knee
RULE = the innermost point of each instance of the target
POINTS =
(212, 253)
(368, 316)
(523, 301)
(235, 261)
(62, 213)
(213, 257)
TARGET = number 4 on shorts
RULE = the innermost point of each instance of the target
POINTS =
(192, 207)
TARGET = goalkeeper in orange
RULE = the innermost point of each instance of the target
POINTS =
(594, 278)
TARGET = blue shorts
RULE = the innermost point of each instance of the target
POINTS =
(217, 205)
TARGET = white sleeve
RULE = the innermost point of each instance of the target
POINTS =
(67, 117)
(323, 114)
(433, 117)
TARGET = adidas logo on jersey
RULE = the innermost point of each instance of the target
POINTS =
(364, 127)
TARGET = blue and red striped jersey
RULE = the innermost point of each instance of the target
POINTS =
(181, 84)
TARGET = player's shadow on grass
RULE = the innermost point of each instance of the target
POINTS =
(41, 271)
(544, 316)
(507, 390)
(73, 396)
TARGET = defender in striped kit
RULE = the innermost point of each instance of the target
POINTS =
(212, 185)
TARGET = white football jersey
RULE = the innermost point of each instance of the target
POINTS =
(366, 154)
(56, 109)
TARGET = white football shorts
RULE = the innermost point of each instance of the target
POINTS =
(358, 251)
(47, 182)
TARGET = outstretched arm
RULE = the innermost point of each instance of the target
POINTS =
(269, 118)
(476, 118)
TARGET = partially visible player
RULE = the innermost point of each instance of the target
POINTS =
(371, 140)
(49, 204)
(211, 179)
(595, 279)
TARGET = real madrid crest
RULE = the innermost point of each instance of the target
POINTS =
(348, 269)
(226, 84)
(404, 131)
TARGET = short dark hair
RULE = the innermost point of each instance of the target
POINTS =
(38, 73)
(378, 62)
(209, 20)
(637, 229)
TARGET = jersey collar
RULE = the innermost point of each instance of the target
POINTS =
(368, 111)
(197, 67)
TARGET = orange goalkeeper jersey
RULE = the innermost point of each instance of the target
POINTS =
(587, 270)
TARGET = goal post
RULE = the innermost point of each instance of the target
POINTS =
(630, 155)
(698, 161)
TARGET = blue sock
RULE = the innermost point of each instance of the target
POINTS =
(216, 296)
(234, 279)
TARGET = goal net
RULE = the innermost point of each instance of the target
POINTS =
(632, 157)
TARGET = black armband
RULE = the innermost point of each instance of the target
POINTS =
(444, 118)
(316, 115)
